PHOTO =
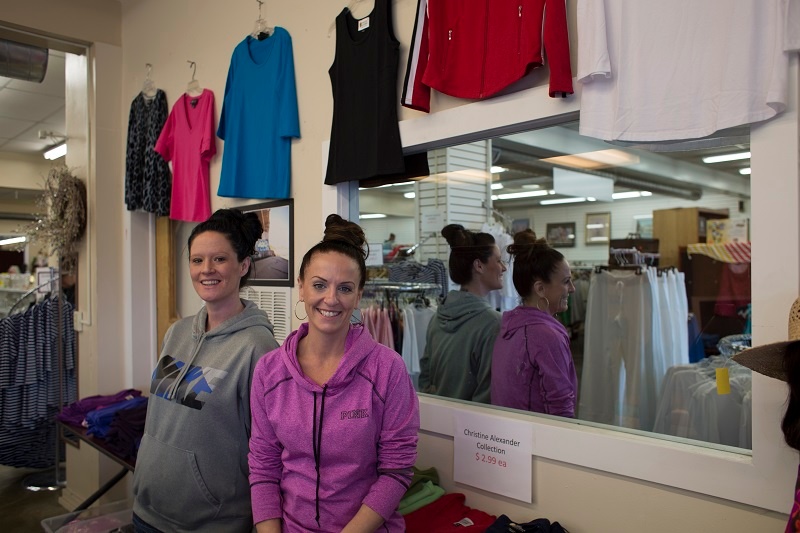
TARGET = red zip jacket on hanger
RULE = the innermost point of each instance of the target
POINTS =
(475, 48)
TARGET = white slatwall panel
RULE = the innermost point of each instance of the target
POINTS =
(275, 302)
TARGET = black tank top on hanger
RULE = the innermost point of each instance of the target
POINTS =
(365, 136)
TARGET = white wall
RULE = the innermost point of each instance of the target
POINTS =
(622, 221)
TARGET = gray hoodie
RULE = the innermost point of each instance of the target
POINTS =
(458, 353)
(191, 471)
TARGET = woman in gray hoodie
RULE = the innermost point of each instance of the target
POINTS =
(458, 353)
(191, 470)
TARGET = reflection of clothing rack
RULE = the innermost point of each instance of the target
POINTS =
(399, 286)
(398, 324)
(502, 217)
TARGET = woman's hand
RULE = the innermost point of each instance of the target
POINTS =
(365, 521)
(269, 526)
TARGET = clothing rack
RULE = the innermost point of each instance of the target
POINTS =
(635, 268)
(33, 290)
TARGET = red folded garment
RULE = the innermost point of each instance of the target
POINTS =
(448, 514)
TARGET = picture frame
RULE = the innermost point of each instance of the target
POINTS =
(561, 234)
(273, 261)
(598, 228)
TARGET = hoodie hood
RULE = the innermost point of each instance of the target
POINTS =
(251, 316)
(522, 316)
(458, 308)
(357, 347)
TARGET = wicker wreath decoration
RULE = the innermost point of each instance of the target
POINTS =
(62, 219)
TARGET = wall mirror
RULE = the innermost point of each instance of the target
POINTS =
(657, 238)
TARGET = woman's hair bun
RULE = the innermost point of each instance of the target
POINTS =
(456, 235)
(343, 231)
(525, 241)
(238, 225)
(251, 226)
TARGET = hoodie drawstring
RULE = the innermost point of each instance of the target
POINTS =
(316, 441)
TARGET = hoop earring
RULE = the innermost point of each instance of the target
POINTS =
(295, 311)
(547, 305)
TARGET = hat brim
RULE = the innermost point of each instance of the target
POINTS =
(766, 359)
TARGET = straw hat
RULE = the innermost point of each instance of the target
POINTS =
(768, 358)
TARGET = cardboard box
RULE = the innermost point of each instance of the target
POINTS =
(726, 230)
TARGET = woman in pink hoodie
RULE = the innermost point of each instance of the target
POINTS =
(532, 367)
(335, 415)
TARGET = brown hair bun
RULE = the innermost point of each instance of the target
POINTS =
(343, 231)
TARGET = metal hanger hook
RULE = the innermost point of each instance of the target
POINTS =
(193, 66)
(260, 3)
(149, 68)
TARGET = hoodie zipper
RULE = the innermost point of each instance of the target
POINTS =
(316, 442)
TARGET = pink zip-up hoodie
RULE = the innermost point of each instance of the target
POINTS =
(318, 453)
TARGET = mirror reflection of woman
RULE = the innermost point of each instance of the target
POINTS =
(532, 366)
(458, 353)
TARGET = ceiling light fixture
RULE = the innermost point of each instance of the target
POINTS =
(744, 171)
(497, 170)
(497, 186)
(726, 157)
(371, 215)
(59, 150)
(13, 240)
(410, 195)
(515, 195)
(562, 201)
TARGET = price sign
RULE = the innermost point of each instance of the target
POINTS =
(493, 454)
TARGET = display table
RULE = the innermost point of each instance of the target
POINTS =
(80, 433)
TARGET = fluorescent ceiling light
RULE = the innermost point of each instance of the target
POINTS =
(410, 195)
(12, 240)
(497, 186)
(56, 152)
(629, 194)
(562, 201)
(646, 193)
(726, 157)
(497, 170)
(595, 226)
(372, 215)
(640, 217)
(591, 199)
(744, 171)
(526, 194)
(532, 186)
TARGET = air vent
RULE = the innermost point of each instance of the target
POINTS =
(22, 61)
(275, 302)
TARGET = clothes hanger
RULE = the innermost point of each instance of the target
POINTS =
(193, 88)
(149, 88)
(261, 30)
(350, 7)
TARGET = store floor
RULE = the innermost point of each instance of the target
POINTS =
(21, 510)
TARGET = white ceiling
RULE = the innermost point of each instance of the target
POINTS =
(27, 107)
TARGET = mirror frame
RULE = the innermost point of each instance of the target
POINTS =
(762, 479)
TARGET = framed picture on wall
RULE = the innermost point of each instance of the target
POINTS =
(598, 228)
(273, 262)
(561, 234)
